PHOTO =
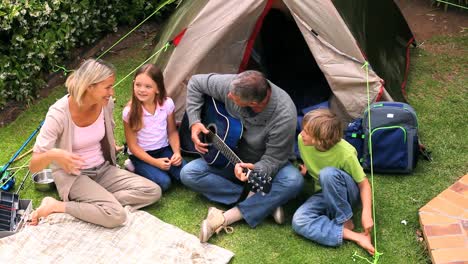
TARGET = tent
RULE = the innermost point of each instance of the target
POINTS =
(313, 49)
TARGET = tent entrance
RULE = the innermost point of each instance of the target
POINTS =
(282, 54)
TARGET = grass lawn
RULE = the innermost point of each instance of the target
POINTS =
(438, 91)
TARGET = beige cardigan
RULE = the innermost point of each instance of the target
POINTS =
(57, 132)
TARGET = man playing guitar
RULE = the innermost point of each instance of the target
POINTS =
(269, 117)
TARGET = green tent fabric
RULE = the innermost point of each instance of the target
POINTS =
(384, 36)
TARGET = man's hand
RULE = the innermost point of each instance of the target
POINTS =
(197, 129)
(239, 170)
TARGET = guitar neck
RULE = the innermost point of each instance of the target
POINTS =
(223, 148)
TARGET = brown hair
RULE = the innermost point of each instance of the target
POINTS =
(324, 127)
(135, 116)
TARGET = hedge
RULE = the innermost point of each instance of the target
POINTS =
(36, 35)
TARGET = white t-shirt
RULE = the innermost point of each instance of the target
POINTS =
(153, 135)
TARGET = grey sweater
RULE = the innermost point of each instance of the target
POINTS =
(268, 137)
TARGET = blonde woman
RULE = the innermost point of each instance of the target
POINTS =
(77, 142)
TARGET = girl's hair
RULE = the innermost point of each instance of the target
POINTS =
(135, 116)
(90, 72)
(324, 127)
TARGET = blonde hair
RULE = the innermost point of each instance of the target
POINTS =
(90, 72)
(324, 127)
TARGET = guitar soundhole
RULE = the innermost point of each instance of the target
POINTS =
(208, 138)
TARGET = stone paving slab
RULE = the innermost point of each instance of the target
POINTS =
(444, 222)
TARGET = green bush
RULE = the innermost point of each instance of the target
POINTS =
(36, 35)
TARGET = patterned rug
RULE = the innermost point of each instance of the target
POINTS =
(62, 238)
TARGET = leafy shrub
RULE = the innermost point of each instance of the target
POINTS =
(35, 35)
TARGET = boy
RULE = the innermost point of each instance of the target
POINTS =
(326, 217)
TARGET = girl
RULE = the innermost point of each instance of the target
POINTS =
(150, 128)
(77, 141)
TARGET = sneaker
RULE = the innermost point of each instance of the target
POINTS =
(213, 223)
(129, 165)
(278, 215)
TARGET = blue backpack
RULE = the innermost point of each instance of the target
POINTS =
(391, 136)
(354, 135)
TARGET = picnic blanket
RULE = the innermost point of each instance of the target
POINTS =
(61, 238)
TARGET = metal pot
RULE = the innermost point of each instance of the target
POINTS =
(43, 180)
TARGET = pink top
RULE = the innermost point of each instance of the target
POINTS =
(86, 142)
(153, 135)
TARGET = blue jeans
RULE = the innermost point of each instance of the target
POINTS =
(322, 216)
(161, 177)
(222, 186)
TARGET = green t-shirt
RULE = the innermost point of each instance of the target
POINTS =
(342, 156)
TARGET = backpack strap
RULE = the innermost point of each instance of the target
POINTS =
(424, 152)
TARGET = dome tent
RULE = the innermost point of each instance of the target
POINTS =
(313, 49)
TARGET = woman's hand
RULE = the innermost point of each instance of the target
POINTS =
(163, 163)
(69, 162)
(176, 159)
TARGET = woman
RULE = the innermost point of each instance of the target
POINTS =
(77, 141)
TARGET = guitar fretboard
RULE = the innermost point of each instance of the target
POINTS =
(223, 148)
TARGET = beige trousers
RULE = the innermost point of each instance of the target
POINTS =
(99, 195)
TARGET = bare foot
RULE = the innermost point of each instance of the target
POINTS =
(365, 242)
(361, 239)
(48, 206)
(349, 224)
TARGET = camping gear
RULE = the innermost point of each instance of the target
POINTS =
(24, 154)
(22, 182)
(354, 135)
(8, 207)
(13, 213)
(391, 138)
(61, 238)
(5, 167)
(6, 181)
(43, 180)
(312, 49)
